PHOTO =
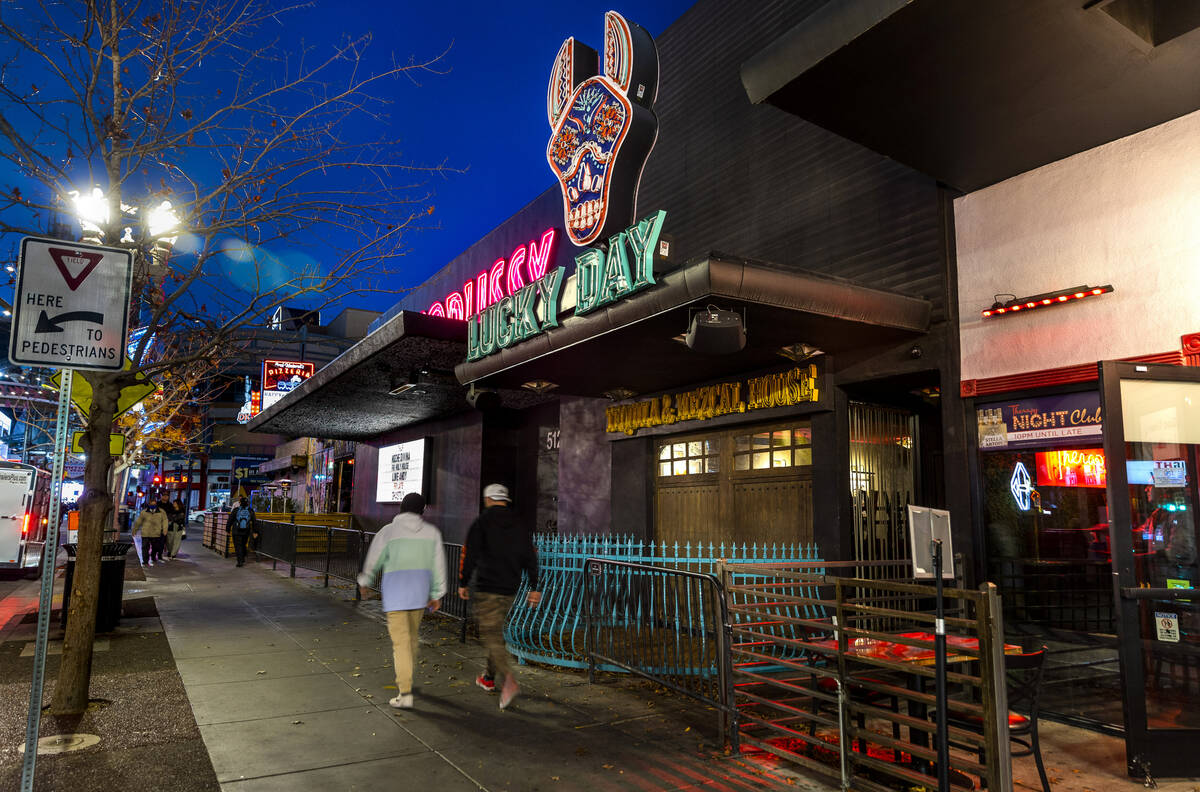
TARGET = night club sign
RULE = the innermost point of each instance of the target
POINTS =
(601, 278)
(602, 127)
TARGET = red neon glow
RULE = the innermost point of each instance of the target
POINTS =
(503, 279)
(25, 525)
(495, 278)
(1082, 467)
(539, 257)
(1040, 301)
(454, 306)
(514, 270)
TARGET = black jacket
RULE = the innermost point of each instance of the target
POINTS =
(499, 549)
(231, 521)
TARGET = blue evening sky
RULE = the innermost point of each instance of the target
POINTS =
(487, 114)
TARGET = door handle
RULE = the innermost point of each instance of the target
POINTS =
(1157, 593)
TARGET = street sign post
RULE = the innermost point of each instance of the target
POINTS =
(71, 307)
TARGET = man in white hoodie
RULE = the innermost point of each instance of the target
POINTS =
(408, 557)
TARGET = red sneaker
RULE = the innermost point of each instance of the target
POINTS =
(486, 682)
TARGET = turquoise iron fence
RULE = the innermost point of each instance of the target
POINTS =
(554, 631)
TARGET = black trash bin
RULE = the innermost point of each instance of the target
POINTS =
(112, 584)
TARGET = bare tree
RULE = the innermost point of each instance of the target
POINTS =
(257, 143)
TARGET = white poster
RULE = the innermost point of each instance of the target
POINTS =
(401, 471)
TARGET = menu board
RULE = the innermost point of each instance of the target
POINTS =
(401, 471)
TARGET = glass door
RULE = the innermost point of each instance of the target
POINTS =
(1152, 433)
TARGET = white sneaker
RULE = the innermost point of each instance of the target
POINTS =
(403, 701)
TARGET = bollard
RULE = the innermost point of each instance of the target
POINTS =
(295, 541)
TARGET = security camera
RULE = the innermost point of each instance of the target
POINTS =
(915, 352)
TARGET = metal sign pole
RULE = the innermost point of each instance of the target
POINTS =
(939, 648)
(49, 552)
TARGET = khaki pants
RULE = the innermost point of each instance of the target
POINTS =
(173, 539)
(490, 612)
(404, 628)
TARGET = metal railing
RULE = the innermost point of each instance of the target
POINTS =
(553, 631)
(844, 691)
(667, 625)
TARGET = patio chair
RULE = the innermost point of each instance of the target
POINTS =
(1023, 674)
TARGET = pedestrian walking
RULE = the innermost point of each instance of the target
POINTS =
(240, 525)
(152, 525)
(176, 525)
(498, 550)
(408, 558)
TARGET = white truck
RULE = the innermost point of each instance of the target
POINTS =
(24, 496)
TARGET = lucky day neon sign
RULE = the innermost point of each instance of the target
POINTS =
(503, 279)
(601, 278)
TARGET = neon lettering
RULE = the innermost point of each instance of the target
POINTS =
(495, 279)
(503, 279)
(539, 257)
(454, 306)
(514, 270)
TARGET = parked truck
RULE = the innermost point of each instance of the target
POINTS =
(24, 507)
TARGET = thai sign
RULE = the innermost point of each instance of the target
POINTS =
(281, 377)
(601, 278)
(1035, 422)
(602, 127)
(783, 389)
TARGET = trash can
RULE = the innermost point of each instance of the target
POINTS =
(112, 584)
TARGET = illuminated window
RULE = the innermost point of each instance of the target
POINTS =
(689, 457)
(777, 448)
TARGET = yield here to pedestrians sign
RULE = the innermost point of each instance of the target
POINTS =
(71, 308)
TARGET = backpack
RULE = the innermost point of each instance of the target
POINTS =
(242, 518)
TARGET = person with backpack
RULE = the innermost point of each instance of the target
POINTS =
(240, 525)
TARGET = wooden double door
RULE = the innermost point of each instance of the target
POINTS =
(749, 485)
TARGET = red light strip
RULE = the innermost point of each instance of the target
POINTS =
(1043, 300)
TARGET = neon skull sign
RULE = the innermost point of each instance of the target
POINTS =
(602, 127)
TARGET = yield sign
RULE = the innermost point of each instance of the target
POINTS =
(71, 307)
(82, 261)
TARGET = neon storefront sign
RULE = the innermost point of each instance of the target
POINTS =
(1071, 468)
(601, 278)
(1021, 487)
(525, 265)
(602, 127)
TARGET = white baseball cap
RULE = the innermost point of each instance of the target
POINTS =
(496, 492)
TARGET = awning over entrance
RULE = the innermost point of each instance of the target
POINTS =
(349, 398)
(634, 345)
(972, 93)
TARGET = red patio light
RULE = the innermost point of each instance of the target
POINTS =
(1042, 300)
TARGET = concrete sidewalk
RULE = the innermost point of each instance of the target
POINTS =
(289, 685)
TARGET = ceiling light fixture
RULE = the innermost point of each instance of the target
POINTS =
(620, 394)
(799, 352)
(539, 386)
(1044, 300)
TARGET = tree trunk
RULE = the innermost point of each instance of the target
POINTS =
(74, 676)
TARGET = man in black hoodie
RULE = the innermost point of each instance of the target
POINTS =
(499, 550)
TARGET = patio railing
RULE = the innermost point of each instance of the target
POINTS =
(845, 692)
(553, 632)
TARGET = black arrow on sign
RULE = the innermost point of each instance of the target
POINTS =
(46, 324)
